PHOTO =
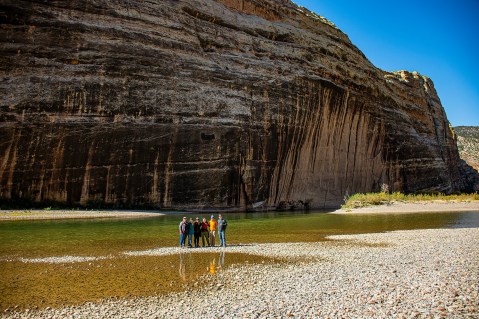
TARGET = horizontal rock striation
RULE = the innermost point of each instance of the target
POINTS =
(206, 104)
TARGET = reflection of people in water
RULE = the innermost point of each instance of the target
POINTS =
(221, 261)
(182, 268)
(213, 268)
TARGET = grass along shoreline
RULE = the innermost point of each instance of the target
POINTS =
(375, 199)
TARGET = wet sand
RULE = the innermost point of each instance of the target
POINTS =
(418, 207)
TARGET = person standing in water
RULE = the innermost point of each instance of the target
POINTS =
(222, 230)
(213, 226)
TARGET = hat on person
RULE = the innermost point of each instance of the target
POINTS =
(197, 218)
(212, 216)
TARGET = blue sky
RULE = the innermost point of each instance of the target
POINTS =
(439, 39)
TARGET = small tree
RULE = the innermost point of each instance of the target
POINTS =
(385, 188)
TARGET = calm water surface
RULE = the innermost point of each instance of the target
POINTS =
(26, 285)
(111, 236)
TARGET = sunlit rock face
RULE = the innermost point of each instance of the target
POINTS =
(206, 104)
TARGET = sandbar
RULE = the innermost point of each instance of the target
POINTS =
(414, 207)
(29, 214)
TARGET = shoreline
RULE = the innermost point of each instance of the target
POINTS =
(393, 208)
(412, 273)
(34, 214)
(415, 207)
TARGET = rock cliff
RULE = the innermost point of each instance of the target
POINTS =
(468, 146)
(202, 103)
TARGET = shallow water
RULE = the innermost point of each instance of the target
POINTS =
(100, 237)
(31, 285)
(39, 285)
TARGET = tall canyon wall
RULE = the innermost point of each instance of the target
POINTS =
(206, 104)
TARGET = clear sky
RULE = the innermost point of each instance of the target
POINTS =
(439, 39)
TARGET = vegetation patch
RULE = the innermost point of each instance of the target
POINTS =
(383, 198)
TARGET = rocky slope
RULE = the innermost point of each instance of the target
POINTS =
(201, 103)
(468, 146)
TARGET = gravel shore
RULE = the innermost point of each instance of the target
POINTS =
(401, 274)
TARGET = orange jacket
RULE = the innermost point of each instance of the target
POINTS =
(213, 224)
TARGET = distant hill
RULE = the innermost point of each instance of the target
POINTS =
(468, 144)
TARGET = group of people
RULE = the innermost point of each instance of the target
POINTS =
(207, 230)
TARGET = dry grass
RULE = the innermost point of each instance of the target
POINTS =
(373, 199)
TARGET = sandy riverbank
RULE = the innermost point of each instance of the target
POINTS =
(402, 274)
(396, 208)
(72, 214)
(418, 207)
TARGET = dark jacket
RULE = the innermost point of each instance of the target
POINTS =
(222, 223)
(197, 227)
(182, 227)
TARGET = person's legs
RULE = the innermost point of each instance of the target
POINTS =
(212, 238)
(223, 238)
(197, 240)
(182, 240)
(189, 240)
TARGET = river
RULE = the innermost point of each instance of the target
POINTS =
(28, 281)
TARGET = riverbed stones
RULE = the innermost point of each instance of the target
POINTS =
(410, 274)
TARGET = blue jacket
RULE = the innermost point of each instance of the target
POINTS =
(191, 229)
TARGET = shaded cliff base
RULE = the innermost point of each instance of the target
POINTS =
(418, 207)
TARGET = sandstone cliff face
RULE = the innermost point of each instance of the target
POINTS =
(201, 103)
